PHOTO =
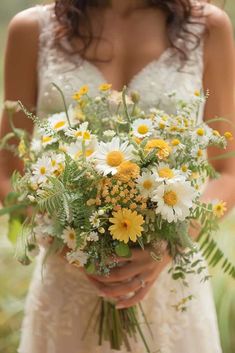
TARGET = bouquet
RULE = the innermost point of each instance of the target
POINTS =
(103, 177)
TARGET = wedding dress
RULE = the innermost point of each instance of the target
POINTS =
(59, 305)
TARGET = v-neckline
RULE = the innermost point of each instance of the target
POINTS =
(157, 61)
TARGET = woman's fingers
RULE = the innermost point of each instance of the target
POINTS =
(136, 298)
(125, 288)
(125, 272)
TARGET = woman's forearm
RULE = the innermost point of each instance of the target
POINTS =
(5, 188)
(222, 189)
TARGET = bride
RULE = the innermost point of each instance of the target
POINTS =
(153, 47)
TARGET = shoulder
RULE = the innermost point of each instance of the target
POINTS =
(25, 26)
(218, 22)
(219, 33)
(216, 18)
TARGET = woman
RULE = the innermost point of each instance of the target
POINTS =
(152, 47)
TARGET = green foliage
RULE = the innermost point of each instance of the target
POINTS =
(122, 250)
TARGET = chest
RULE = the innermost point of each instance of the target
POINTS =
(133, 54)
(122, 47)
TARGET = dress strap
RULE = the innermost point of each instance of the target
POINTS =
(46, 21)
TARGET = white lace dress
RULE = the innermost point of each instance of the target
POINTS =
(59, 305)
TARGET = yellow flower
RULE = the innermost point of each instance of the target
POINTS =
(200, 132)
(105, 87)
(166, 172)
(228, 135)
(127, 225)
(163, 148)
(175, 142)
(22, 148)
(76, 96)
(83, 90)
(197, 93)
(216, 133)
(127, 170)
(219, 209)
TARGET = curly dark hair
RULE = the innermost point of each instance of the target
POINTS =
(71, 14)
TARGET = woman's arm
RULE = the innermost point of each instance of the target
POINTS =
(20, 83)
(219, 78)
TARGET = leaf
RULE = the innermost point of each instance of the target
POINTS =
(90, 268)
(122, 250)
(13, 208)
(15, 228)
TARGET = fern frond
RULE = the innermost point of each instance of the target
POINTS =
(54, 197)
(214, 255)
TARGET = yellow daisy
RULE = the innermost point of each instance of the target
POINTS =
(163, 148)
(105, 87)
(127, 170)
(219, 208)
(127, 225)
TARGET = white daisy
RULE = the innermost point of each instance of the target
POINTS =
(174, 201)
(202, 134)
(77, 258)
(142, 127)
(110, 155)
(94, 219)
(93, 236)
(75, 149)
(147, 183)
(48, 140)
(75, 114)
(80, 133)
(58, 121)
(42, 169)
(169, 175)
(69, 237)
(57, 161)
(185, 170)
(198, 153)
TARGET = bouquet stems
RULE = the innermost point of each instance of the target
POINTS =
(118, 326)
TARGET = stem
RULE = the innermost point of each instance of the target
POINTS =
(64, 102)
(125, 105)
(139, 329)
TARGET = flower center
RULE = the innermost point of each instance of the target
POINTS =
(143, 129)
(78, 133)
(200, 132)
(175, 142)
(147, 184)
(184, 168)
(166, 173)
(170, 198)
(59, 124)
(126, 223)
(43, 170)
(46, 138)
(86, 135)
(71, 236)
(53, 163)
(114, 158)
(89, 152)
(199, 153)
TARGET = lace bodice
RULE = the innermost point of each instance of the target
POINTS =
(59, 305)
(158, 78)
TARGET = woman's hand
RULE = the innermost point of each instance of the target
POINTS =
(135, 276)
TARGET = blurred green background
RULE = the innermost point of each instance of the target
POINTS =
(14, 278)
